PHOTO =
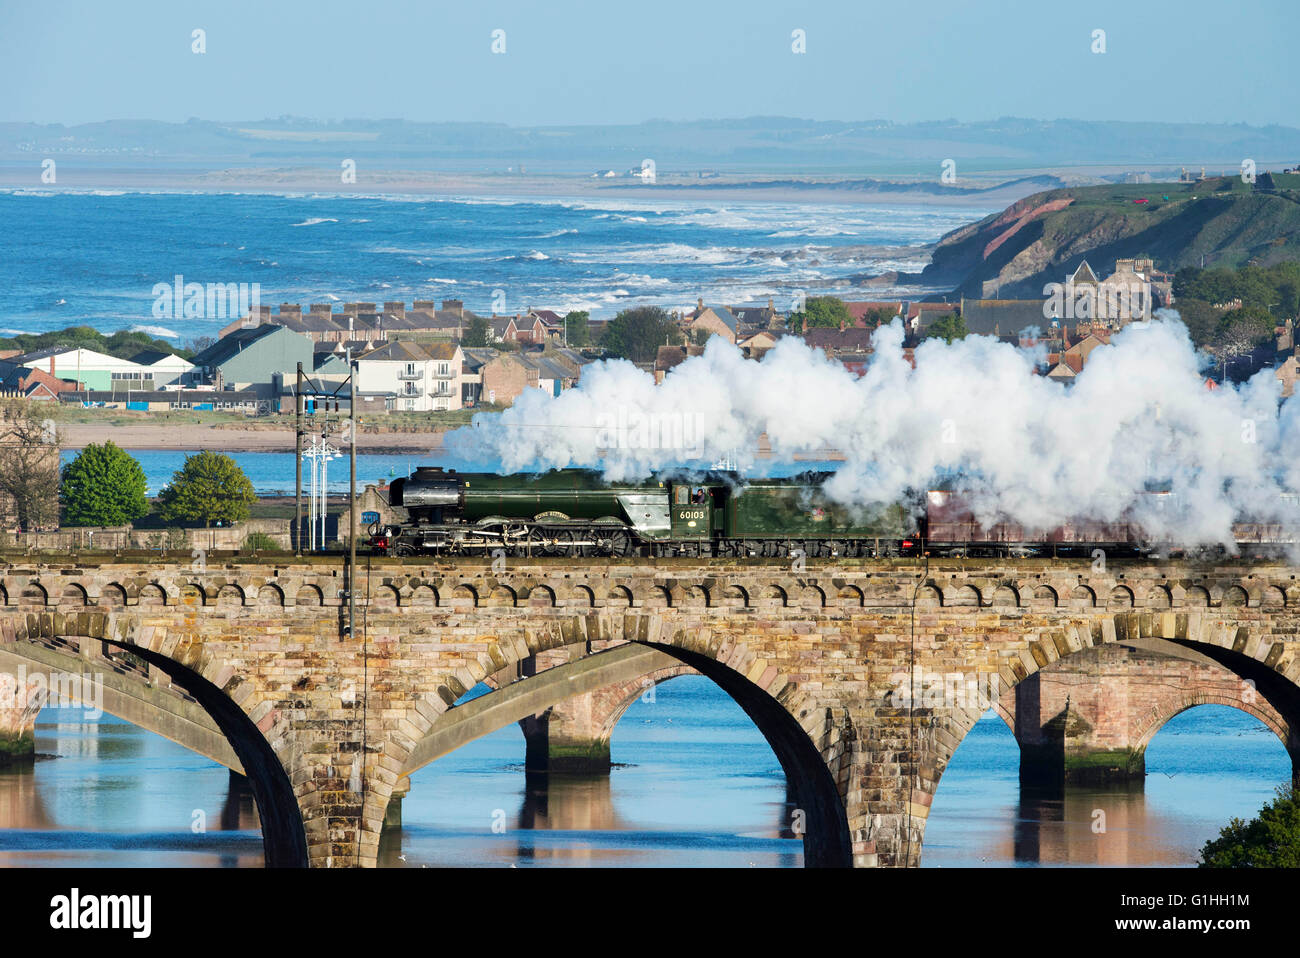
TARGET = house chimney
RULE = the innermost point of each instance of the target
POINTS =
(397, 309)
(699, 303)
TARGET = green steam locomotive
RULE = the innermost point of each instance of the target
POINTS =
(576, 512)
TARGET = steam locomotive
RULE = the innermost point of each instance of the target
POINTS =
(576, 512)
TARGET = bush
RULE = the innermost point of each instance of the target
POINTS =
(259, 542)
(1270, 840)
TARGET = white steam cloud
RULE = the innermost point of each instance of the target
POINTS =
(975, 412)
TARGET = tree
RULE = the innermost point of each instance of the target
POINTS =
(1270, 840)
(29, 465)
(478, 332)
(947, 328)
(577, 332)
(637, 334)
(209, 486)
(103, 486)
(824, 311)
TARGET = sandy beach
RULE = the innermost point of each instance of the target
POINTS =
(228, 439)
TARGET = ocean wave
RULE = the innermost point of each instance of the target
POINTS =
(161, 331)
(313, 221)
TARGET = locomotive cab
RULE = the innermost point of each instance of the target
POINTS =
(697, 509)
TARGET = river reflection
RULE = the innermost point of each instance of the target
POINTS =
(694, 785)
(1204, 767)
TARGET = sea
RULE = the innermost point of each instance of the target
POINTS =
(694, 783)
(98, 258)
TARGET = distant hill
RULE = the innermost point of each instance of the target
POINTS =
(1040, 238)
(755, 144)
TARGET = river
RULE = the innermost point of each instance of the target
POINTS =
(694, 784)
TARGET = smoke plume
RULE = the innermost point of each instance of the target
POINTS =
(975, 414)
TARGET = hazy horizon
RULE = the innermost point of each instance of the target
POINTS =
(78, 62)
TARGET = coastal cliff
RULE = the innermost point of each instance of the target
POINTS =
(1041, 238)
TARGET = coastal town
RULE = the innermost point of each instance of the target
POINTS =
(437, 357)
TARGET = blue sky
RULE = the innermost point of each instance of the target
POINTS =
(625, 62)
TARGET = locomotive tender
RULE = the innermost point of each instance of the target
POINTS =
(577, 512)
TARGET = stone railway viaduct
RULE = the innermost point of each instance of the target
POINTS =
(864, 676)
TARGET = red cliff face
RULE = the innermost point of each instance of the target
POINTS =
(1019, 219)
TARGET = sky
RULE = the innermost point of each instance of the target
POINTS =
(580, 62)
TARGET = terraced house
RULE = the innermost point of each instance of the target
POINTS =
(416, 377)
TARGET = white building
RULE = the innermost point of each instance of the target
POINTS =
(420, 378)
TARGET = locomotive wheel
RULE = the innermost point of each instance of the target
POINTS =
(563, 543)
(620, 543)
(404, 549)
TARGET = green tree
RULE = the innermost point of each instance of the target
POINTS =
(478, 332)
(577, 332)
(1242, 330)
(947, 328)
(824, 311)
(209, 486)
(1270, 840)
(637, 334)
(103, 486)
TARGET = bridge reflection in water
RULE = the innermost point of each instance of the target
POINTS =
(1205, 766)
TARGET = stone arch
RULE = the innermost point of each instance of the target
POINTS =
(656, 597)
(694, 597)
(733, 597)
(539, 597)
(1158, 721)
(1005, 596)
(850, 597)
(961, 595)
(463, 596)
(1121, 597)
(579, 596)
(501, 597)
(1043, 597)
(1158, 597)
(229, 596)
(33, 594)
(283, 831)
(929, 596)
(423, 595)
(1196, 597)
(284, 837)
(1082, 597)
(192, 595)
(270, 596)
(1272, 597)
(112, 595)
(619, 597)
(767, 701)
(810, 597)
(151, 594)
(770, 597)
(73, 595)
(385, 596)
(1234, 596)
(1273, 677)
(309, 595)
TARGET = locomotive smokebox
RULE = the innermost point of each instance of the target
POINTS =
(426, 489)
